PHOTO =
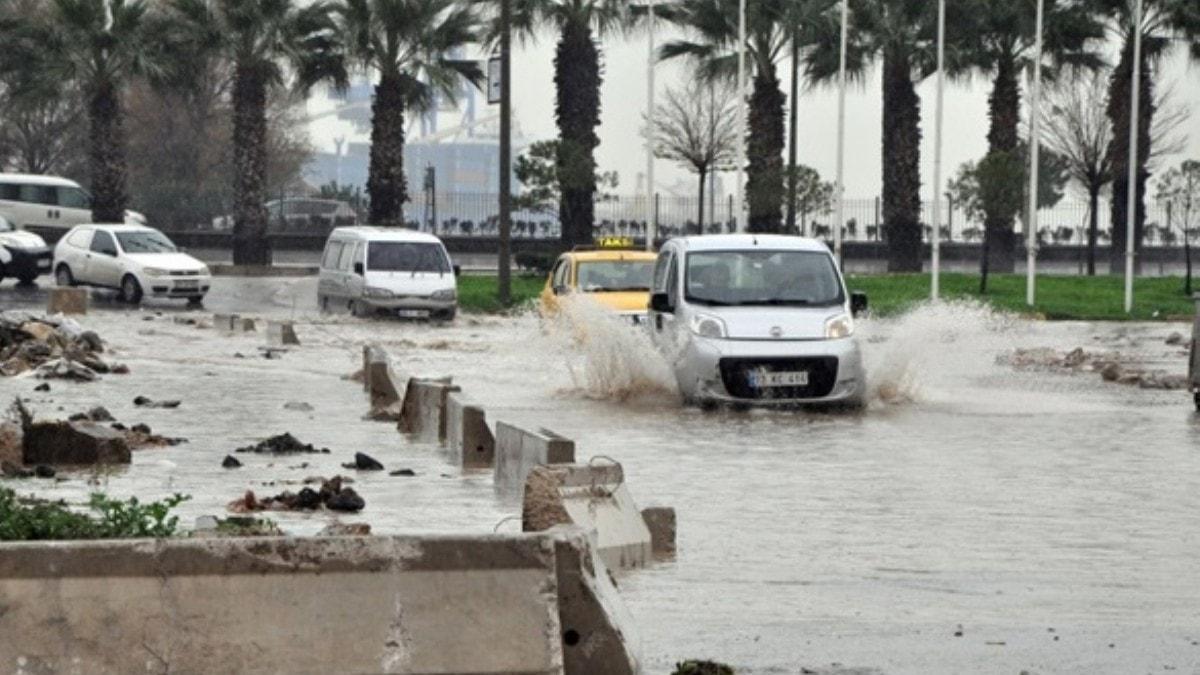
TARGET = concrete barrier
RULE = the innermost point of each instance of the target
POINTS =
(595, 498)
(281, 334)
(468, 437)
(67, 301)
(423, 412)
(377, 379)
(491, 604)
(660, 520)
(519, 450)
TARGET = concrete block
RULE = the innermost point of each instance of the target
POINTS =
(248, 325)
(468, 437)
(660, 520)
(74, 443)
(432, 605)
(67, 301)
(378, 380)
(595, 498)
(423, 412)
(281, 333)
(519, 450)
(226, 322)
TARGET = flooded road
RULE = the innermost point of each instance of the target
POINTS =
(982, 519)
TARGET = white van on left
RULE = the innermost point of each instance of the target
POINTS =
(48, 205)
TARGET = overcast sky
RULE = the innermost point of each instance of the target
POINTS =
(623, 102)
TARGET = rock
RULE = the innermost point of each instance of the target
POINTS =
(283, 444)
(403, 472)
(231, 462)
(44, 471)
(45, 386)
(64, 369)
(119, 369)
(141, 429)
(346, 500)
(42, 332)
(364, 462)
(11, 470)
(345, 530)
(143, 402)
(74, 443)
(90, 341)
(1075, 358)
(1111, 372)
(298, 406)
(118, 426)
(661, 523)
(1161, 380)
(10, 443)
(1175, 339)
(100, 414)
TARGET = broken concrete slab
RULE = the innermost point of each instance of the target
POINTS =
(67, 301)
(660, 520)
(423, 411)
(518, 450)
(468, 437)
(74, 443)
(595, 498)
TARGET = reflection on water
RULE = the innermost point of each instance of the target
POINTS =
(1052, 517)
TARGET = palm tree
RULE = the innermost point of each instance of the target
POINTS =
(1163, 22)
(97, 45)
(998, 41)
(577, 79)
(775, 29)
(407, 41)
(260, 37)
(901, 33)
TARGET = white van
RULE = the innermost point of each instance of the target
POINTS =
(371, 269)
(763, 319)
(48, 204)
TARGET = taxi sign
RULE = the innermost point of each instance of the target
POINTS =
(615, 242)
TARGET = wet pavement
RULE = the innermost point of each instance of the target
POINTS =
(982, 519)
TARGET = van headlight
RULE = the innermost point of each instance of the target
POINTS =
(204, 271)
(840, 326)
(154, 271)
(707, 326)
(372, 292)
(444, 294)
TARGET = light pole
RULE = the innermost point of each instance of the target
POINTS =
(651, 224)
(937, 153)
(1031, 221)
(839, 211)
(505, 289)
(1131, 198)
(739, 187)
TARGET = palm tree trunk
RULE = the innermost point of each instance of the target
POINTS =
(1118, 113)
(106, 156)
(791, 166)
(386, 184)
(764, 171)
(250, 245)
(1004, 113)
(1093, 227)
(577, 81)
(700, 215)
(901, 165)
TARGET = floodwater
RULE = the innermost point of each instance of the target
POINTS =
(980, 520)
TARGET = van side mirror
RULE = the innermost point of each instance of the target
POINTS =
(858, 302)
(457, 270)
(661, 302)
(358, 269)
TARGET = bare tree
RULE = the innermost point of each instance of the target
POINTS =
(694, 125)
(43, 134)
(1179, 191)
(1075, 126)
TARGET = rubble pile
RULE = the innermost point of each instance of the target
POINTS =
(332, 495)
(56, 347)
(137, 437)
(1109, 365)
(283, 444)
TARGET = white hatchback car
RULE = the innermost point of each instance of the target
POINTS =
(133, 259)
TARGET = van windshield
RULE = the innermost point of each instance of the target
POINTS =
(762, 277)
(615, 276)
(145, 241)
(404, 256)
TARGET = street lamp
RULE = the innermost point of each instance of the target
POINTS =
(1131, 198)
(739, 185)
(840, 195)
(651, 223)
(937, 153)
(1031, 221)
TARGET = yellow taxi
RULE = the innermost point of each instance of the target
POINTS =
(612, 273)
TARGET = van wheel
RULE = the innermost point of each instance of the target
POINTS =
(444, 315)
(131, 290)
(63, 276)
(195, 302)
(357, 309)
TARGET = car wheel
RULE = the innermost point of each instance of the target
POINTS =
(131, 290)
(63, 276)
(444, 315)
(26, 280)
(195, 302)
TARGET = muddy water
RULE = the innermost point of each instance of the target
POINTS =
(1047, 519)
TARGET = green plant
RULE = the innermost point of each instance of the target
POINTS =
(32, 519)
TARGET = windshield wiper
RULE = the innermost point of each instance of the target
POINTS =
(712, 301)
(794, 302)
(619, 289)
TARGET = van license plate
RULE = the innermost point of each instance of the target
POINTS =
(412, 313)
(187, 285)
(784, 379)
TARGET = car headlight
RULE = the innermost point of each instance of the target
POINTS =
(707, 326)
(839, 326)
(204, 271)
(154, 272)
(444, 294)
(372, 292)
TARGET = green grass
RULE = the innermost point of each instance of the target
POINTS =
(1058, 297)
(477, 293)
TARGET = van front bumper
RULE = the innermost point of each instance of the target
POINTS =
(28, 262)
(727, 371)
(411, 302)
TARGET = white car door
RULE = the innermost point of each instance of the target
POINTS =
(666, 283)
(103, 261)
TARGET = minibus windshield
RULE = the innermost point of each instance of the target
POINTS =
(405, 256)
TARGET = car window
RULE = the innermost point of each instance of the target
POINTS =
(102, 242)
(38, 194)
(344, 263)
(333, 251)
(661, 269)
(614, 275)
(673, 283)
(73, 198)
(10, 192)
(406, 256)
(80, 238)
(560, 274)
